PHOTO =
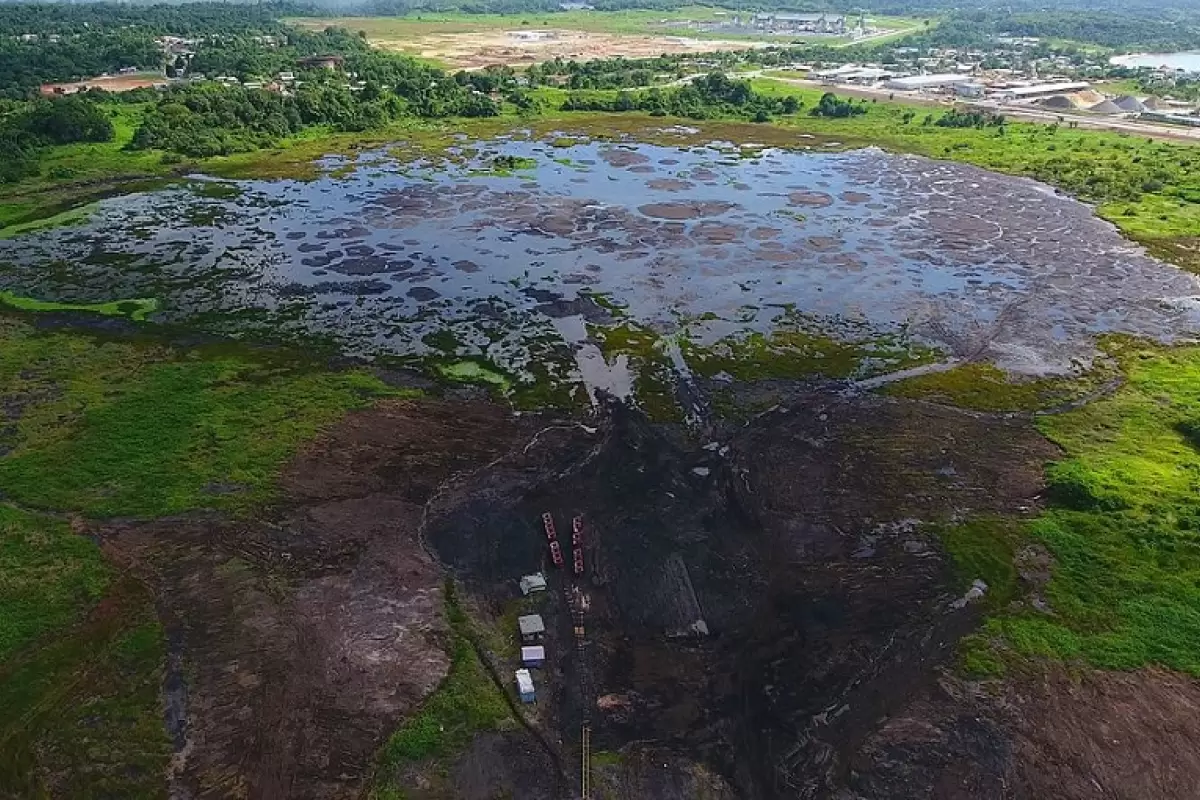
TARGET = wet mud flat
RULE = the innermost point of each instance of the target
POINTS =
(417, 257)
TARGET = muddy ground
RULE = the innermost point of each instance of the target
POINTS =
(301, 640)
(766, 619)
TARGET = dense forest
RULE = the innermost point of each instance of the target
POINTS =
(712, 95)
(48, 43)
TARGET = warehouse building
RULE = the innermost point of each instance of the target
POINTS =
(917, 83)
(1042, 90)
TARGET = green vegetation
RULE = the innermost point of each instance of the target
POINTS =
(50, 576)
(985, 549)
(796, 350)
(466, 703)
(121, 428)
(648, 362)
(474, 372)
(1122, 526)
(72, 216)
(983, 387)
(80, 712)
(136, 310)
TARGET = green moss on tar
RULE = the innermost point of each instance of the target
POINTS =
(81, 713)
(791, 353)
(72, 216)
(136, 310)
(983, 387)
(51, 576)
(131, 428)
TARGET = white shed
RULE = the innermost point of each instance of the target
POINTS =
(525, 686)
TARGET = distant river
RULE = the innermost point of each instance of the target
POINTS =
(1189, 62)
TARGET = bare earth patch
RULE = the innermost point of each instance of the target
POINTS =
(300, 641)
(1052, 735)
(475, 49)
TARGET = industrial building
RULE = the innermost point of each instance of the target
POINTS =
(1171, 119)
(525, 686)
(1042, 90)
(916, 83)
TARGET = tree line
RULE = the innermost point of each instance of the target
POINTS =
(709, 96)
(28, 128)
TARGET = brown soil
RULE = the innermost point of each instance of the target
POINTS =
(299, 642)
(1051, 735)
(686, 209)
(811, 199)
(109, 83)
(475, 49)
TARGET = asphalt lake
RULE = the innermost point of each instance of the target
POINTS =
(515, 258)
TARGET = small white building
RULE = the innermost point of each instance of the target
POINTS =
(534, 656)
(531, 584)
(525, 686)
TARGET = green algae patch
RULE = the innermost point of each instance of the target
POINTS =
(467, 371)
(1122, 527)
(130, 428)
(983, 387)
(505, 166)
(790, 353)
(63, 219)
(136, 310)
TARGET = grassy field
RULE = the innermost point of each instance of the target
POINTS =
(398, 28)
(102, 425)
(124, 428)
(1122, 526)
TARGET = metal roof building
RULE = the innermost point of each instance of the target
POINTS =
(915, 83)
(1043, 89)
(531, 626)
(533, 583)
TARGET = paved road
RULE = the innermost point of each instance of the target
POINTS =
(1020, 112)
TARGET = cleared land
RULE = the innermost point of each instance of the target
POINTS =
(111, 83)
(522, 41)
